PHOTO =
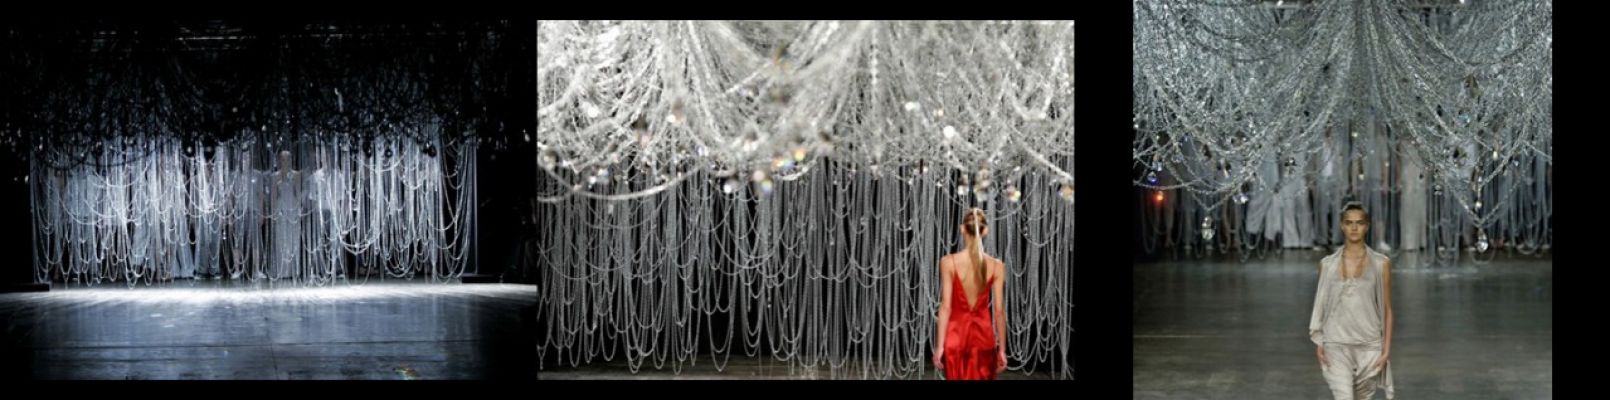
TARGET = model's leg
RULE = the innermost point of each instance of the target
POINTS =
(1366, 379)
(1339, 371)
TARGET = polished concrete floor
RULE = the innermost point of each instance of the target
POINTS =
(1238, 330)
(209, 330)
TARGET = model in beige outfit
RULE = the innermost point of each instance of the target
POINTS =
(1352, 320)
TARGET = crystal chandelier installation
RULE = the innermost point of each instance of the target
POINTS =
(788, 187)
(1437, 115)
(304, 156)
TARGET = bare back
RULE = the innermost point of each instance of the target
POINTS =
(961, 266)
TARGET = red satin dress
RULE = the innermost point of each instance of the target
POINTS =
(970, 352)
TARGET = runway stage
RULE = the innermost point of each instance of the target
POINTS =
(1227, 329)
(213, 330)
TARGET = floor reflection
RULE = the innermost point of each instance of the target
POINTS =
(211, 330)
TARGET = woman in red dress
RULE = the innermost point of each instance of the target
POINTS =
(972, 340)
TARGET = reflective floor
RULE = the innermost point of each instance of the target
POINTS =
(209, 330)
(1234, 330)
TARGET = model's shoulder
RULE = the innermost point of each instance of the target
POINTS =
(1380, 258)
(1330, 259)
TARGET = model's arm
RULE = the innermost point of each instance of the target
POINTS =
(944, 313)
(1386, 299)
(1000, 315)
(1000, 306)
(1320, 349)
